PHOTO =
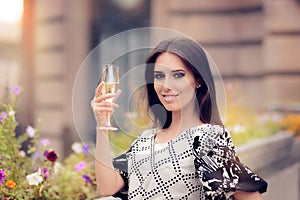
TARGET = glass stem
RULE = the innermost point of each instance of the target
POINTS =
(108, 120)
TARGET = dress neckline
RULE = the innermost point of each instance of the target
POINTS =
(177, 136)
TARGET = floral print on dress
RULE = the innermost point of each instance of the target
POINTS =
(221, 172)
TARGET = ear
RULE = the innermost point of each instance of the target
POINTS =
(199, 83)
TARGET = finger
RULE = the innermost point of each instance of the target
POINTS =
(98, 89)
(117, 95)
(99, 107)
(103, 97)
(102, 110)
(105, 104)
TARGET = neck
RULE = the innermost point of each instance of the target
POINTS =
(182, 120)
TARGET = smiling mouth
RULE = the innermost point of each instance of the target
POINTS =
(173, 95)
(170, 97)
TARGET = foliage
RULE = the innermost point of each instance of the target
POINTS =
(30, 168)
(291, 123)
(247, 124)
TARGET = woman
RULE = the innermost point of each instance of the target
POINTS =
(189, 155)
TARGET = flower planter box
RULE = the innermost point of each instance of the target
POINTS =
(268, 155)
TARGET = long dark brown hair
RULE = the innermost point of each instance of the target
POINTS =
(194, 57)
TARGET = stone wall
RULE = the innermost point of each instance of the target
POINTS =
(253, 42)
(281, 58)
(277, 160)
(59, 42)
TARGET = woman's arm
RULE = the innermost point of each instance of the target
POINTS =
(109, 181)
(241, 195)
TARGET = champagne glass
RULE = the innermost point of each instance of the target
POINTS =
(110, 77)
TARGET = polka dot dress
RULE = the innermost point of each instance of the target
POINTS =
(176, 169)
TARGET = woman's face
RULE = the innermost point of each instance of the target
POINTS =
(174, 82)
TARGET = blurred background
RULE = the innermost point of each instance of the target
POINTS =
(255, 44)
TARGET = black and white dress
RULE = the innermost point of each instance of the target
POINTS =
(200, 163)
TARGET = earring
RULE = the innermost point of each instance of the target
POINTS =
(198, 86)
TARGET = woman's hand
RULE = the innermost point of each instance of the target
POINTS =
(241, 195)
(101, 107)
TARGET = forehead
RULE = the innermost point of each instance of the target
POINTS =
(169, 61)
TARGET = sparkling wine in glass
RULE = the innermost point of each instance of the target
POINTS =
(110, 77)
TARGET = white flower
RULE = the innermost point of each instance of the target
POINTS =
(56, 167)
(238, 128)
(77, 147)
(34, 179)
(30, 131)
(22, 153)
(11, 113)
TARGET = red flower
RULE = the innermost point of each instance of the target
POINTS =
(52, 156)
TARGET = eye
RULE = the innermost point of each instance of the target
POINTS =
(179, 74)
(159, 75)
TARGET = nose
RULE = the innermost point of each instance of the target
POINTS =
(167, 83)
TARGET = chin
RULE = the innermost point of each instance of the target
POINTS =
(172, 108)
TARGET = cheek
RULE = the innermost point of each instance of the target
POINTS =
(186, 86)
(188, 91)
(157, 87)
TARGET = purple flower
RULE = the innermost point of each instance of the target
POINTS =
(35, 155)
(45, 153)
(16, 90)
(2, 116)
(86, 178)
(80, 166)
(45, 142)
(45, 172)
(86, 149)
(30, 131)
(2, 176)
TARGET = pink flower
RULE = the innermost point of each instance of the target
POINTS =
(46, 153)
(45, 172)
(3, 115)
(45, 142)
(2, 176)
(80, 166)
(16, 90)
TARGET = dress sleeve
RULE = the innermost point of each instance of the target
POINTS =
(220, 170)
(120, 164)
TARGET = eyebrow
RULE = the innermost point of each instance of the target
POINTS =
(177, 70)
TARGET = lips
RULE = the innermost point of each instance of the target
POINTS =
(169, 98)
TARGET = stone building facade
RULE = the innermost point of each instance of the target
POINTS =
(55, 43)
(255, 44)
